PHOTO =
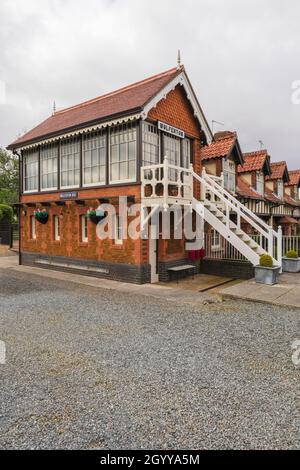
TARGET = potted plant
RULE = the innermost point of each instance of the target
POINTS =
(95, 216)
(291, 262)
(266, 273)
(41, 216)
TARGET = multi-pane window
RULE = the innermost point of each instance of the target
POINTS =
(94, 158)
(69, 162)
(56, 228)
(49, 156)
(123, 153)
(172, 149)
(32, 227)
(186, 153)
(118, 230)
(260, 182)
(150, 144)
(280, 189)
(84, 228)
(31, 164)
(229, 175)
(171, 146)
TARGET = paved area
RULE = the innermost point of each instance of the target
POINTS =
(201, 282)
(99, 368)
(6, 251)
(160, 291)
(285, 293)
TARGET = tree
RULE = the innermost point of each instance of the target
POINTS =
(9, 178)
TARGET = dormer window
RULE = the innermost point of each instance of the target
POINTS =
(280, 189)
(229, 172)
(260, 182)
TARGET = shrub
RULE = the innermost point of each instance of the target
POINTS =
(266, 261)
(292, 254)
(6, 213)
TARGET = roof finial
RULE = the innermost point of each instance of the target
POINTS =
(54, 107)
(261, 144)
(178, 60)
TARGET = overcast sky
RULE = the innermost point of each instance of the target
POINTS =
(241, 56)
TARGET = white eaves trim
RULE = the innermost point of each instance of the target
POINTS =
(96, 127)
(181, 79)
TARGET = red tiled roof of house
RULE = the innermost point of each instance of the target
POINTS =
(124, 100)
(221, 147)
(243, 189)
(289, 200)
(270, 196)
(288, 220)
(278, 171)
(294, 178)
(254, 161)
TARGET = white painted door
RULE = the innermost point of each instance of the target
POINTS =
(153, 259)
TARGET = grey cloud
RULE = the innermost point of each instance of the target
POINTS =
(242, 58)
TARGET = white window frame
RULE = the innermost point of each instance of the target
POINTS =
(229, 169)
(56, 228)
(111, 133)
(215, 236)
(32, 227)
(118, 229)
(260, 180)
(91, 136)
(150, 144)
(84, 229)
(280, 186)
(25, 155)
(75, 141)
(43, 148)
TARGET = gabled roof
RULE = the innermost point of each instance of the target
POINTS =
(294, 178)
(291, 201)
(222, 146)
(138, 97)
(244, 190)
(256, 161)
(271, 197)
(126, 99)
(279, 171)
(288, 220)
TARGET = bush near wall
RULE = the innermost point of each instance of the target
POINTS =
(6, 214)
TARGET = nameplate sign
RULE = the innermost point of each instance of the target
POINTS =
(68, 195)
(171, 130)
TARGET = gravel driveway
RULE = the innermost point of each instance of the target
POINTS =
(90, 368)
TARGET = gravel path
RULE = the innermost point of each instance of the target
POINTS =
(89, 368)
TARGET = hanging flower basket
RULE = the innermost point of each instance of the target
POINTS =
(95, 216)
(41, 216)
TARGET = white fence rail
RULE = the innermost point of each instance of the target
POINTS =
(217, 247)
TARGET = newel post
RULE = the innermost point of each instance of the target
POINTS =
(279, 246)
(166, 183)
(203, 185)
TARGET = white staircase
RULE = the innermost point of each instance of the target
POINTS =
(217, 207)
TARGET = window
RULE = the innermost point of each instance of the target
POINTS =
(70, 158)
(49, 156)
(31, 163)
(150, 144)
(118, 230)
(56, 228)
(32, 227)
(280, 189)
(84, 228)
(215, 240)
(229, 175)
(260, 182)
(94, 158)
(172, 149)
(123, 153)
(171, 146)
(186, 153)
